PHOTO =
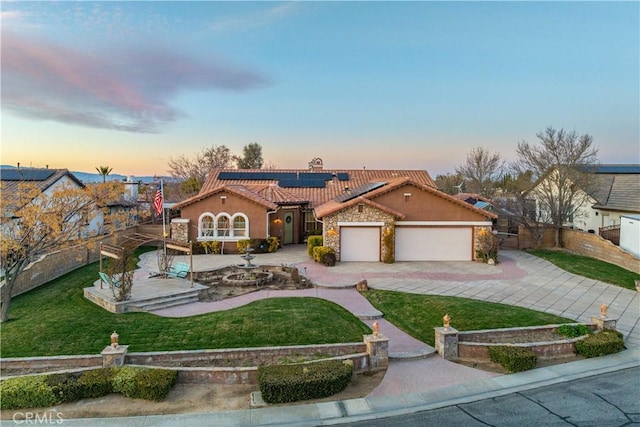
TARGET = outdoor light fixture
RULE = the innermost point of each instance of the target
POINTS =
(332, 232)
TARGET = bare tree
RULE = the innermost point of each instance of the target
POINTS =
(560, 164)
(481, 171)
(449, 183)
(251, 157)
(198, 167)
(36, 223)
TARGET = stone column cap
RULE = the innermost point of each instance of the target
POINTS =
(448, 330)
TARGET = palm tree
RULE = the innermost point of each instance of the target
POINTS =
(104, 171)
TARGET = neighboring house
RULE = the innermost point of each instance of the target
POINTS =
(357, 211)
(614, 191)
(47, 181)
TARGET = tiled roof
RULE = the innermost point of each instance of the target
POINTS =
(620, 192)
(316, 196)
(11, 178)
(239, 190)
(335, 205)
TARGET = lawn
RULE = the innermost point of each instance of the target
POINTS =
(56, 319)
(418, 314)
(589, 267)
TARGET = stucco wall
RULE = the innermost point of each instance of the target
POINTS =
(425, 206)
(233, 204)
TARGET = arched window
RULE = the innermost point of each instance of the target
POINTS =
(206, 225)
(240, 225)
(223, 226)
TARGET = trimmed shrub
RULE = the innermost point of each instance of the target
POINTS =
(292, 383)
(143, 383)
(65, 386)
(573, 331)
(329, 259)
(600, 344)
(122, 380)
(242, 245)
(312, 242)
(26, 392)
(96, 383)
(152, 384)
(320, 251)
(211, 247)
(273, 243)
(513, 359)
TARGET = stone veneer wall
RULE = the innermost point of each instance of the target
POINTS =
(180, 229)
(351, 214)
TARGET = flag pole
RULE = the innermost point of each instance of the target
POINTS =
(164, 229)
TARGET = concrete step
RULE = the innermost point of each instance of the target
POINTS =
(369, 315)
(160, 303)
(421, 353)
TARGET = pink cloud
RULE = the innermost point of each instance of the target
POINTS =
(127, 90)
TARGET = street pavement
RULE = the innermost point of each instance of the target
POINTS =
(416, 380)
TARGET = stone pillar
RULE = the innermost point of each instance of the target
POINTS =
(604, 322)
(447, 342)
(114, 356)
(378, 350)
(180, 229)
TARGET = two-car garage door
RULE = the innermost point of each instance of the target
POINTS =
(434, 244)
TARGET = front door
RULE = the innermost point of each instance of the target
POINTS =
(288, 228)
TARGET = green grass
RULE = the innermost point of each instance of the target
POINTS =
(56, 319)
(417, 314)
(589, 267)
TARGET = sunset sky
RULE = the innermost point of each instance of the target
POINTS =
(381, 85)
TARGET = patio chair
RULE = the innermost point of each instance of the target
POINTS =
(111, 281)
(180, 270)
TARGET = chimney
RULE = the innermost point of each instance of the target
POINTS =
(315, 164)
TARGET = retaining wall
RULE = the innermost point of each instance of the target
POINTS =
(475, 344)
(231, 366)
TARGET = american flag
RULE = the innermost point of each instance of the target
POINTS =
(157, 200)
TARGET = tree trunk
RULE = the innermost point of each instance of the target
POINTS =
(557, 237)
(5, 295)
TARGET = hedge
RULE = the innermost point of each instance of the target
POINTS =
(292, 383)
(514, 359)
(323, 254)
(600, 344)
(41, 391)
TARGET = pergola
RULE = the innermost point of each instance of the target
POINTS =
(136, 240)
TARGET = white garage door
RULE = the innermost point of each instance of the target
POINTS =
(433, 244)
(359, 243)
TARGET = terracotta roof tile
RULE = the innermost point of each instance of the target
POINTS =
(333, 188)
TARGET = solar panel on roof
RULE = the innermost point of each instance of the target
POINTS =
(342, 176)
(359, 191)
(26, 174)
(324, 176)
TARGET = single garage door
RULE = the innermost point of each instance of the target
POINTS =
(359, 243)
(433, 244)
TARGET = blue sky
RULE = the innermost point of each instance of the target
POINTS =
(408, 85)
